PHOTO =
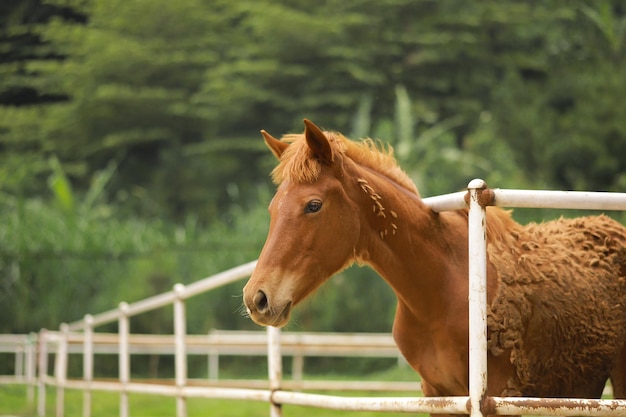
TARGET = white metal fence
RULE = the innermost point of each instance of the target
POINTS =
(474, 404)
(220, 343)
(23, 350)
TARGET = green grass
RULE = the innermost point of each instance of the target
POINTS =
(13, 401)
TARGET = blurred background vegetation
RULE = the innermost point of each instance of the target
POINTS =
(130, 157)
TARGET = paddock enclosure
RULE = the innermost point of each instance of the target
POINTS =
(32, 352)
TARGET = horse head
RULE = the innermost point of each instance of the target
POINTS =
(313, 230)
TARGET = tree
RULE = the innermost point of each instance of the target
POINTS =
(566, 123)
(25, 51)
(27, 58)
(175, 92)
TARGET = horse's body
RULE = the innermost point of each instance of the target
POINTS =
(557, 292)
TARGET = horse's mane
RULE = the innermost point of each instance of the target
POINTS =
(298, 164)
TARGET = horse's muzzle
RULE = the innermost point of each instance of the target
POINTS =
(262, 312)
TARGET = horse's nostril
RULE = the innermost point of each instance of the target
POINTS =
(260, 301)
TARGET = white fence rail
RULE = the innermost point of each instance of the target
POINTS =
(23, 350)
(219, 343)
(475, 403)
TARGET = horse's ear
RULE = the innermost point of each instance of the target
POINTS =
(318, 142)
(276, 146)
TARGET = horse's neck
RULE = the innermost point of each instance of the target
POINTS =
(421, 254)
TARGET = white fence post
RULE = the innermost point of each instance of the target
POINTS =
(275, 367)
(477, 298)
(60, 369)
(19, 362)
(180, 359)
(42, 364)
(297, 367)
(31, 366)
(124, 357)
(214, 365)
(87, 363)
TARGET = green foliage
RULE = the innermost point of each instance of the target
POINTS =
(174, 92)
(432, 157)
(129, 150)
(61, 261)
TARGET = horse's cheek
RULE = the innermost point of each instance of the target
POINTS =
(346, 237)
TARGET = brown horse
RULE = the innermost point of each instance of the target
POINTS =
(556, 291)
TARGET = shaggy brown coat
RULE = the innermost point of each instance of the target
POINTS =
(561, 304)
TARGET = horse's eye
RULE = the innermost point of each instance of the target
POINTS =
(313, 206)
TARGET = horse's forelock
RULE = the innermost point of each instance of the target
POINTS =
(298, 164)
